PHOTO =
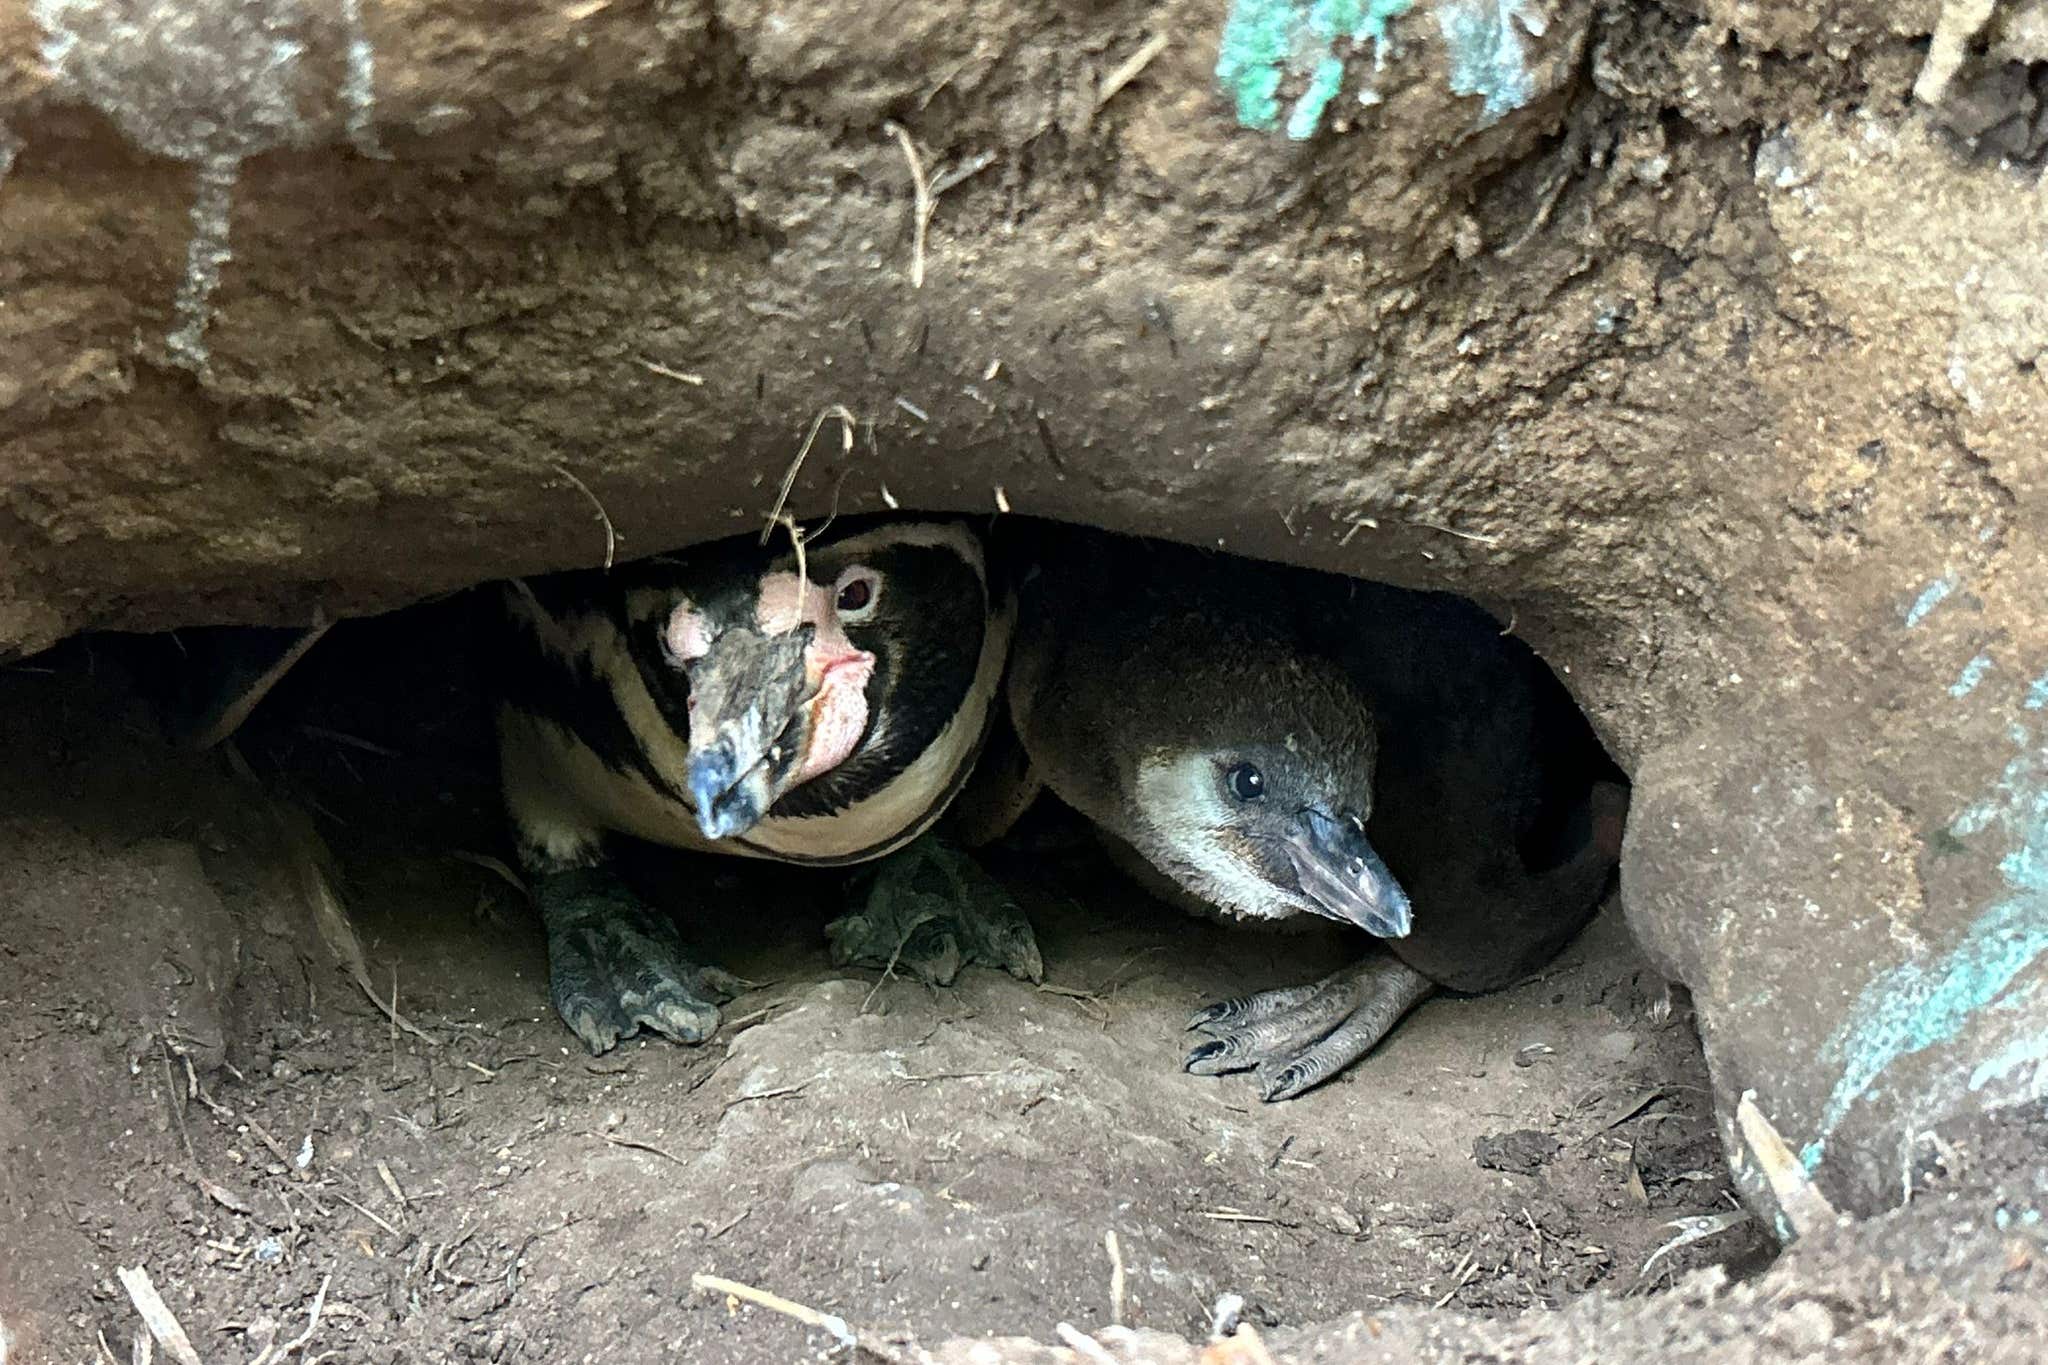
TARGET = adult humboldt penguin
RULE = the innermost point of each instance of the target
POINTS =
(1275, 743)
(734, 700)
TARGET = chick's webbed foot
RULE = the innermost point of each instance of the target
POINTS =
(617, 965)
(1298, 1037)
(931, 909)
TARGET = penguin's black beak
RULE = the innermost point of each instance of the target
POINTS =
(1340, 873)
(748, 726)
(729, 801)
(770, 709)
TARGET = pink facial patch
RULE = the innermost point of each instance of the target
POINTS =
(688, 635)
(836, 669)
(786, 602)
(839, 717)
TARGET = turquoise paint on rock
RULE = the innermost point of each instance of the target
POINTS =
(1266, 41)
(1322, 88)
(1931, 596)
(2031, 1050)
(1250, 59)
(1920, 1004)
(1486, 53)
(1972, 674)
(1917, 1005)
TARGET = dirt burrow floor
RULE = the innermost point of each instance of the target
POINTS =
(946, 1161)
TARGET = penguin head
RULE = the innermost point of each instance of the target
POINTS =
(1254, 787)
(806, 691)
(777, 691)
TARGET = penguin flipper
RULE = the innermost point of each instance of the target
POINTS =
(1298, 1037)
(931, 909)
(617, 965)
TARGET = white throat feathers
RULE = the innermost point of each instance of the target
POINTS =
(1184, 826)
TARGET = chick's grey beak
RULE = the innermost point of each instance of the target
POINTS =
(1347, 881)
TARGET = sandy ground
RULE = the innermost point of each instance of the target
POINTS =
(933, 1161)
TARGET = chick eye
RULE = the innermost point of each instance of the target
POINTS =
(1246, 783)
(855, 595)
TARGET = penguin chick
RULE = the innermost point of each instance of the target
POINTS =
(1277, 743)
(1229, 761)
(717, 700)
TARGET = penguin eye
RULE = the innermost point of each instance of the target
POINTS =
(1246, 783)
(857, 591)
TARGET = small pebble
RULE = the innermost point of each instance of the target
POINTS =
(1343, 1221)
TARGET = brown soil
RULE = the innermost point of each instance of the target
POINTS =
(947, 1162)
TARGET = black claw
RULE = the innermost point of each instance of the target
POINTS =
(678, 1022)
(1223, 1011)
(597, 1034)
(718, 984)
(1207, 1052)
(1020, 957)
(1286, 1085)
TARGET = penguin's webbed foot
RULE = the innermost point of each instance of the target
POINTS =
(617, 965)
(931, 909)
(1298, 1037)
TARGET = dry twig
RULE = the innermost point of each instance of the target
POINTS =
(1469, 1269)
(1454, 531)
(308, 855)
(262, 1135)
(837, 1327)
(367, 1213)
(926, 191)
(391, 1183)
(156, 1315)
(1130, 68)
(921, 209)
(492, 865)
(1116, 1277)
(639, 1146)
(611, 536)
(1687, 1231)
(1239, 1216)
(847, 422)
(299, 1342)
(237, 709)
(1805, 1208)
(680, 376)
(777, 516)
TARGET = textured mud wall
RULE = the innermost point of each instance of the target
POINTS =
(1691, 336)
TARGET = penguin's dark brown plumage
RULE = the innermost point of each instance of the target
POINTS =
(1279, 743)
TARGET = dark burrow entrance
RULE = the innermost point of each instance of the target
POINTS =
(466, 1182)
